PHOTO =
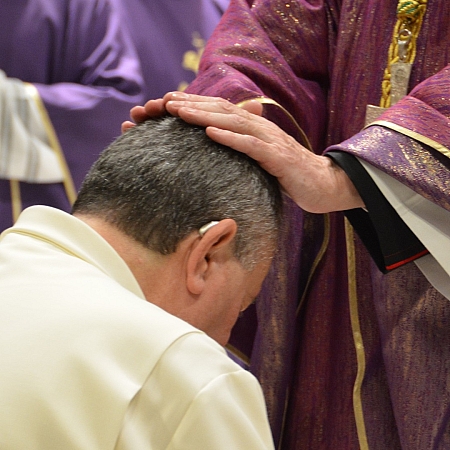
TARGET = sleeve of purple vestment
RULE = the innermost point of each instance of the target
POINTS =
(411, 140)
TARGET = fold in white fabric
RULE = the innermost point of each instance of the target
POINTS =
(26, 153)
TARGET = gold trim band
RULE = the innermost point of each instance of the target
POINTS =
(306, 144)
(357, 338)
(16, 199)
(317, 259)
(269, 101)
(68, 183)
(326, 238)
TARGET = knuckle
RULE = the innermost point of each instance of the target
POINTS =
(239, 120)
(226, 105)
(254, 142)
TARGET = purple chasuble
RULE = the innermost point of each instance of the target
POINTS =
(348, 357)
(87, 73)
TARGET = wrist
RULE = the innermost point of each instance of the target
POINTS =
(345, 194)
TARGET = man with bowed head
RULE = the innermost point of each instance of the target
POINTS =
(111, 318)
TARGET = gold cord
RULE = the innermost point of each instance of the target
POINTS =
(410, 14)
(357, 337)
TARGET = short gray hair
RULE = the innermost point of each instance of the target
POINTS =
(164, 179)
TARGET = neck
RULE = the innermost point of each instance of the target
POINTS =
(156, 274)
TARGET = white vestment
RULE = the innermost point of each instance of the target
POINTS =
(87, 363)
(429, 223)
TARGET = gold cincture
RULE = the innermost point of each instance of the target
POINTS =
(402, 53)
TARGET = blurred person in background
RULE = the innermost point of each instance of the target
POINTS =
(170, 37)
(68, 74)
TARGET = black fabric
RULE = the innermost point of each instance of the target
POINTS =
(389, 240)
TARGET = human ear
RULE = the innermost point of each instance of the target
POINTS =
(213, 242)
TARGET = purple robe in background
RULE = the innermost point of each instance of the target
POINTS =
(170, 36)
(348, 357)
(85, 68)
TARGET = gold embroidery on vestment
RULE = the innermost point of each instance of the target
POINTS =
(402, 53)
(268, 101)
(191, 58)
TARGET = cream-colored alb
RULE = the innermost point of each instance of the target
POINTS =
(88, 363)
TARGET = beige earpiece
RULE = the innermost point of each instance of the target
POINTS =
(206, 227)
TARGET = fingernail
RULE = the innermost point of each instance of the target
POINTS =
(179, 96)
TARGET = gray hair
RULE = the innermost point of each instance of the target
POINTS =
(165, 178)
